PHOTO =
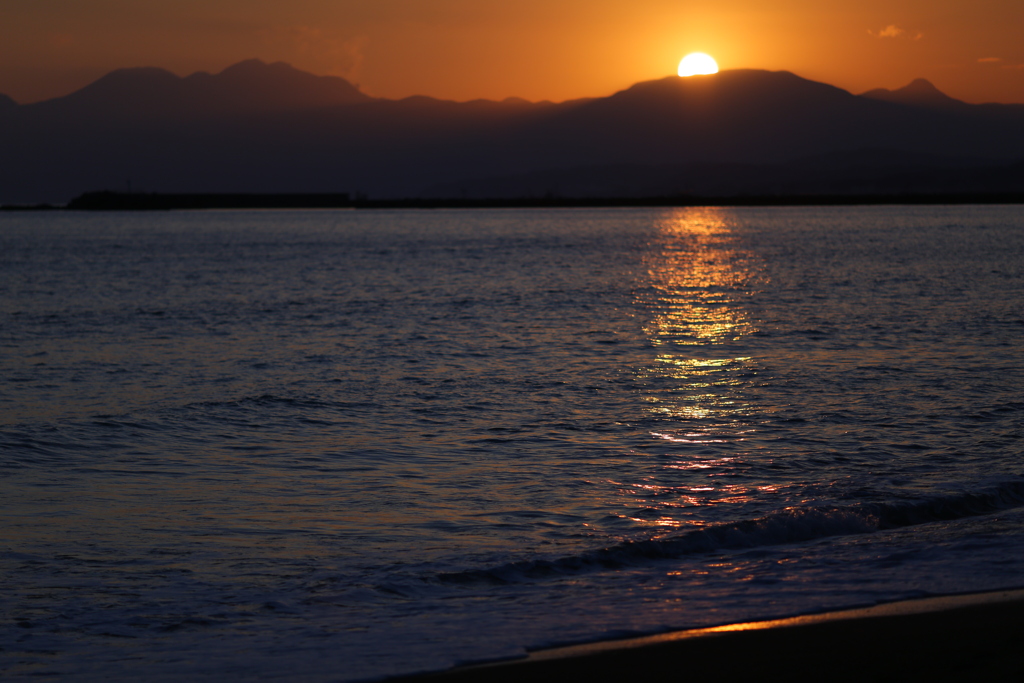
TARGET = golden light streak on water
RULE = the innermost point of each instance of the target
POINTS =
(696, 274)
(699, 279)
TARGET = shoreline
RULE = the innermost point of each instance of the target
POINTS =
(963, 637)
(137, 201)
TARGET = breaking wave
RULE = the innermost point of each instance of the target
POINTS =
(792, 525)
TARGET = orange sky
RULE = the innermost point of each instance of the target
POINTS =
(537, 49)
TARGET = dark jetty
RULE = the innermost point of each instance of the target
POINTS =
(125, 201)
(154, 201)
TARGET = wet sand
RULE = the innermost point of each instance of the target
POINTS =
(976, 637)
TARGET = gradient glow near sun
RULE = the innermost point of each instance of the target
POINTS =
(697, 64)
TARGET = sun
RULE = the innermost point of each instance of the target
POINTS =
(697, 63)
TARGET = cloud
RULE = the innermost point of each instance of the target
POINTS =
(894, 31)
(996, 60)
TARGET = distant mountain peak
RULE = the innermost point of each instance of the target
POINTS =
(922, 86)
(279, 85)
(919, 92)
(739, 78)
(251, 86)
(728, 90)
(258, 68)
(122, 82)
(255, 64)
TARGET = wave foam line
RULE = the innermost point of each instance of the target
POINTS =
(792, 525)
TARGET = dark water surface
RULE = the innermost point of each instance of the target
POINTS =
(337, 445)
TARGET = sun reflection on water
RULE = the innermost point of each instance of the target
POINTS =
(699, 280)
(698, 275)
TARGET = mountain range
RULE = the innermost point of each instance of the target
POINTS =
(270, 128)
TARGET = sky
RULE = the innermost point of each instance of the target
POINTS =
(536, 49)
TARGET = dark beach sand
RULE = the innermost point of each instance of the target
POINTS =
(977, 637)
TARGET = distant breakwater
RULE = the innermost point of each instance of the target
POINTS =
(137, 201)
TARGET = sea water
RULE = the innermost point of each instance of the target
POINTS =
(341, 445)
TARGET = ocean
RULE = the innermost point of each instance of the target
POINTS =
(347, 445)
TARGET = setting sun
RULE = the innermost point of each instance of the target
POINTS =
(697, 63)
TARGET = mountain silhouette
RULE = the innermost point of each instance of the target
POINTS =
(257, 127)
(918, 93)
(250, 87)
